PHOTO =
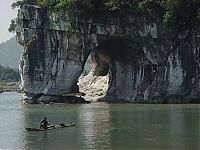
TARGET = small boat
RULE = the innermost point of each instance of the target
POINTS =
(60, 125)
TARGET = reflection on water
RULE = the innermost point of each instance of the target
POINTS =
(95, 119)
(99, 126)
(176, 129)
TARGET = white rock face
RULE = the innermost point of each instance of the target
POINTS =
(138, 63)
(95, 87)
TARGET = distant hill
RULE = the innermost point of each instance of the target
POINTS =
(10, 53)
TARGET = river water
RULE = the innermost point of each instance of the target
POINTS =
(99, 126)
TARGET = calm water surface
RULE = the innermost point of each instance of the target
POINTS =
(100, 126)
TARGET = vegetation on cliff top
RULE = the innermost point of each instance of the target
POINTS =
(170, 12)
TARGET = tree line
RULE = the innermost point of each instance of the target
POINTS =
(9, 75)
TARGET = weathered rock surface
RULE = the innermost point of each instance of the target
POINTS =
(139, 61)
(52, 60)
(93, 85)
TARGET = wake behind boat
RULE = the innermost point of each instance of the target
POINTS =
(60, 125)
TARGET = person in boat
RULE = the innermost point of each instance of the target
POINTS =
(44, 123)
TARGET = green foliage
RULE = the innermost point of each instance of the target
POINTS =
(28, 42)
(169, 12)
(13, 25)
(75, 8)
(175, 12)
(121, 6)
(7, 74)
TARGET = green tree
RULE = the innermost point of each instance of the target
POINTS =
(169, 12)
(13, 25)
(7, 74)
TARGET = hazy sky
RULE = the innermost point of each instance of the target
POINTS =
(6, 14)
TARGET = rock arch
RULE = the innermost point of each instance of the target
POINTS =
(142, 62)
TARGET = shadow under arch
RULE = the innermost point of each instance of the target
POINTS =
(105, 60)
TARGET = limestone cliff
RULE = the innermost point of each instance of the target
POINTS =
(141, 61)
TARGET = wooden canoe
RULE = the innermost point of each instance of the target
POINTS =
(60, 125)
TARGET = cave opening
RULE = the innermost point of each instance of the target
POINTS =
(94, 79)
(98, 70)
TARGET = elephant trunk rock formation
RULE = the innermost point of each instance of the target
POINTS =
(134, 60)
